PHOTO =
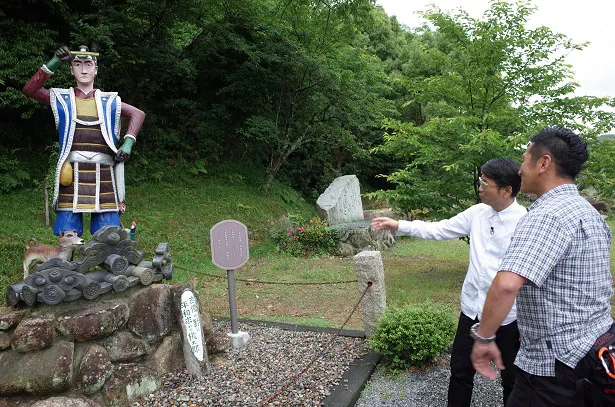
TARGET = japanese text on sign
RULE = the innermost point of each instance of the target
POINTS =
(229, 244)
(192, 322)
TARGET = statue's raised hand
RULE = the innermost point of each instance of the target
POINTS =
(63, 54)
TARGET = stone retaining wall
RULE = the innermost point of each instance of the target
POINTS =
(110, 350)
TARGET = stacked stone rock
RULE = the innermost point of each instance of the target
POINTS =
(358, 237)
(109, 351)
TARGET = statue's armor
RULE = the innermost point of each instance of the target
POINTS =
(88, 131)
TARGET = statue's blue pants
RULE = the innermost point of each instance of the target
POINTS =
(70, 220)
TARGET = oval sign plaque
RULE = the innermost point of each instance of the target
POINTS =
(229, 244)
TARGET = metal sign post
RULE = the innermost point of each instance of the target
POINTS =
(232, 298)
(229, 251)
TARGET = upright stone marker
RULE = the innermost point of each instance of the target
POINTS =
(341, 201)
(188, 309)
(229, 251)
(369, 268)
(192, 323)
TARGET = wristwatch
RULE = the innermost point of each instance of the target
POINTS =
(474, 334)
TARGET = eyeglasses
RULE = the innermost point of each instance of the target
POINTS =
(483, 183)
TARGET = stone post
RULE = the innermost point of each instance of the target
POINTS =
(187, 309)
(370, 269)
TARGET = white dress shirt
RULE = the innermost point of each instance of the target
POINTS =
(490, 234)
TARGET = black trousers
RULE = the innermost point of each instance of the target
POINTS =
(462, 373)
(542, 391)
(559, 391)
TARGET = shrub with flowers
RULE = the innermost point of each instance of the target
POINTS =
(299, 237)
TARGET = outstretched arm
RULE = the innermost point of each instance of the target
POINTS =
(457, 226)
(385, 223)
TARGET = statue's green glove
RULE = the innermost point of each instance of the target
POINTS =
(123, 153)
(62, 55)
(127, 145)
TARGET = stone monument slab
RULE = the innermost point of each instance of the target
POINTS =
(192, 321)
(341, 201)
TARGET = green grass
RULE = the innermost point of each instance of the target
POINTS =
(416, 270)
(454, 249)
(181, 214)
(310, 321)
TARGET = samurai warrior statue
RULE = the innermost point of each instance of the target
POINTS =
(90, 171)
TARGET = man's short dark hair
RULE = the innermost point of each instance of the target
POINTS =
(505, 173)
(567, 149)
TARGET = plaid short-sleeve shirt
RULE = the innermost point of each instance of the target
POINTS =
(562, 248)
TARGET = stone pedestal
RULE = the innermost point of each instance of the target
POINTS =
(370, 269)
(239, 340)
(359, 236)
(111, 351)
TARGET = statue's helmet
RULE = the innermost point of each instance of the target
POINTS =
(82, 58)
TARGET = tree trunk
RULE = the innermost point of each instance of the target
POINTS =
(276, 163)
(46, 204)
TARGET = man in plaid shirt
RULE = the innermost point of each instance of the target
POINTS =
(557, 266)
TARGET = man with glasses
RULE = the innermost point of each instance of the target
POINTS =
(490, 225)
(90, 170)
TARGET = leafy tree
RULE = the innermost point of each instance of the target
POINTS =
(599, 172)
(495, 83)
(297, 90)
(323, 93)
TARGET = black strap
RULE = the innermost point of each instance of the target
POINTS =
(581, 385)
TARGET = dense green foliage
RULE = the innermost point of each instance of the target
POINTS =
(482, 87)
(600, 171)
(297, 236)
(12, 175)
(413, 335)
(303, 91)
(290, 87)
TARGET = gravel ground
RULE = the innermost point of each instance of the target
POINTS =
(424, 388)
(248, 376)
